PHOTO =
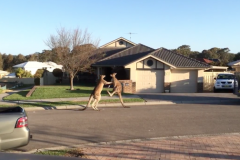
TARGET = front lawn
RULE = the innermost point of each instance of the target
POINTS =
(49, 92)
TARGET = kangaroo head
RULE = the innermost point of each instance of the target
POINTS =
(113, 75)
(102, 76)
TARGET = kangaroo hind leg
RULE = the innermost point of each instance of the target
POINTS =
(98, 98)
(120, 97)
(111, 94)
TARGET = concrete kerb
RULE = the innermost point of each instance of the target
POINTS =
(127, 141)
(132, 104)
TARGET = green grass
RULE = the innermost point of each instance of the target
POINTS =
(67, 153)
(64, 103)
(49, 92)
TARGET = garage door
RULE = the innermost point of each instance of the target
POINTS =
(150, 81)
(184, 81)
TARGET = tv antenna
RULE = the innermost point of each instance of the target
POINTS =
(130, 33)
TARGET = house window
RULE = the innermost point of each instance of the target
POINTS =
(150, 63)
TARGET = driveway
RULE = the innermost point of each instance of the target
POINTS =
(188, 97)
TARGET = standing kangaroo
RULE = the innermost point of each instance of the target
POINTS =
(117, 88)
(96, 93)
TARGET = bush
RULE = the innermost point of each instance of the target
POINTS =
(57, 73)
(39, 73)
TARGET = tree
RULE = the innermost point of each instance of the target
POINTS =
(75, 50)
(8, 62)
(1, 62)
(38, 73)
(19, 72)
(237, 57)
(27, 74)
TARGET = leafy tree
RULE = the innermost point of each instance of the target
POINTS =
(75, 49)
(1, 62)
(38, 73)
(19, 72)
(237, 56)
(27, 74)
(8, 62)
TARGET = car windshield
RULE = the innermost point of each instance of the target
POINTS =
(225, 76)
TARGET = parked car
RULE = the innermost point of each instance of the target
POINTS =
(224, 81)
(14, 131)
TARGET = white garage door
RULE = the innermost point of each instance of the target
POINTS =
(150, 81)
(184, 81)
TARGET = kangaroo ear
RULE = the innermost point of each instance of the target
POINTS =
(115, 73)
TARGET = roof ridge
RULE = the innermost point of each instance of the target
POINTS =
(118, 39)
(124, 51)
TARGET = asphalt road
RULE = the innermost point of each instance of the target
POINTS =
(68, 127)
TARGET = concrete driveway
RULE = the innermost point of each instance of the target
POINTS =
(193, 97)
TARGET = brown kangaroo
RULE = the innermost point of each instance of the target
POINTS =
(96, 93)
(117, 88)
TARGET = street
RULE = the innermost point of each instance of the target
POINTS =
(52, 128)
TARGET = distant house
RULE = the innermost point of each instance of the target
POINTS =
(214, 60)
(33, 66)
(235, 65)
(3, 73)
(205, 60)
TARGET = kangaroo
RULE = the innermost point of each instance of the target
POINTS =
(96, 93)
(117, 88)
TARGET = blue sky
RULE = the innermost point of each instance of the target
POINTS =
(202, 24)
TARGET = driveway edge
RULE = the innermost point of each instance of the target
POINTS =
(128, 141)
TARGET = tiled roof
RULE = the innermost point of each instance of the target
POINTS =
(204, 60)
(139, 51)
(126, 55)
(122, 61)
(178, 60)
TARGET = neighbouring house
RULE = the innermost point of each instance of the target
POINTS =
(149, 70)
(217, 69)
(205, 60)
(3, 73)
(235, 65)
(10, 75)
(33, 66)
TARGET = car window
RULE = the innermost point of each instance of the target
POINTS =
(225, 76)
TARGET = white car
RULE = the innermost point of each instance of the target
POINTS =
(224, 81)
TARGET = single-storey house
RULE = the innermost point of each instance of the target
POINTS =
(33, 66)
(235, 65)
(151, 70)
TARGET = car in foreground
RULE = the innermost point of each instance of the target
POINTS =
(224, 81)
(14, 131)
